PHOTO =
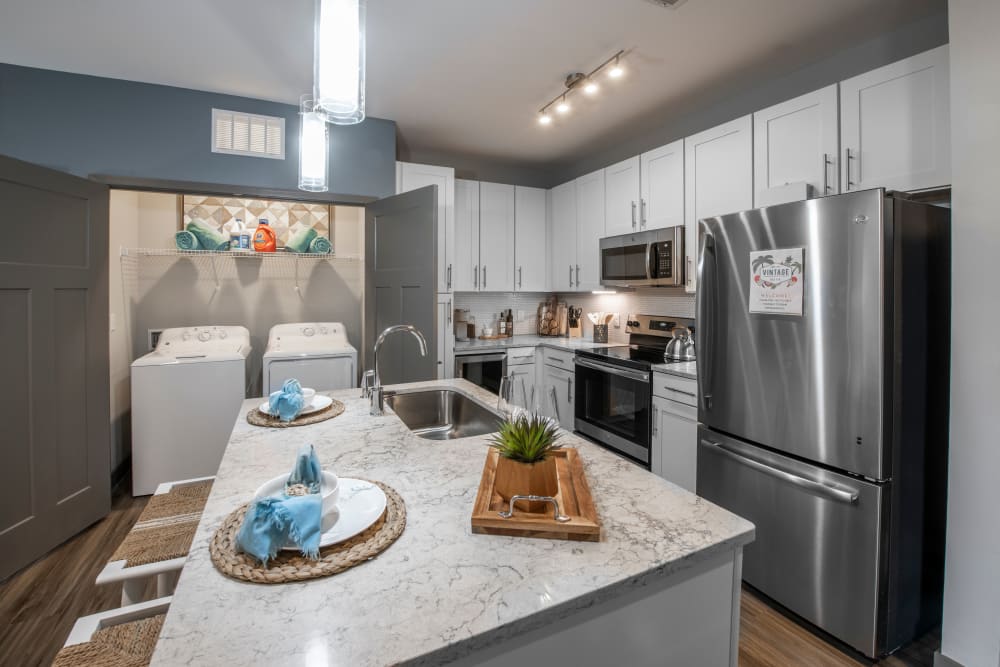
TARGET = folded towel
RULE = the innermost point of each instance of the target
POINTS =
(321, 246)
(306, 471)
(208, 236)
(300, 240)
(287, 402)
(271, 523)
(185, 240)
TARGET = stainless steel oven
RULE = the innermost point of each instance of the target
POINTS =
(613, 405)
(483, 369)
(645, 259)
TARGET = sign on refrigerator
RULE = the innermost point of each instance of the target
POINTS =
(776, 278)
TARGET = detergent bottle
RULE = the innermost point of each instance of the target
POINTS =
(264, 238)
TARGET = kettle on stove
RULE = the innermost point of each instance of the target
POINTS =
(681, 345)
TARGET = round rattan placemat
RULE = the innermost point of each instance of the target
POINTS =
(292, 566)
(258, 418)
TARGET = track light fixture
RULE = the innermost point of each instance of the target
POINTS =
(586, 82)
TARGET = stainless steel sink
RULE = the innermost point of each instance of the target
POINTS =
(442, 414)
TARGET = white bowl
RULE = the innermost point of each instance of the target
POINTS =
(307, 396)
(329, 488)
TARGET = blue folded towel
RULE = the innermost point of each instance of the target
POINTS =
(208, 237)
(306, 471)
(273, 522)
(300, 240)
(320, 246)
(185, 240)
(287, 402)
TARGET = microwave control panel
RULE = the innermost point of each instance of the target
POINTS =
(664, 261)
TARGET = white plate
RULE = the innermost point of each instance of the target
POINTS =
(361, 504)
(318, 403)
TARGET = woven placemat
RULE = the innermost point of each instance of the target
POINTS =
(291, 565)
(166, 526)
(127, 644)
(258, 418)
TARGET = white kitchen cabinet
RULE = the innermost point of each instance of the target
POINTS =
(558, 397)
(661, 192)
(445, 337)
(796, 142)
(410, 176)
(675, 442)
(465, 274)
(531, 271)
(718, 179)
(589, 231)
(496, 237)
(562, 237)
(521, 369)
(895, 125)
(621, 197)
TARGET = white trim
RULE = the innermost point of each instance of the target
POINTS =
(87, 626)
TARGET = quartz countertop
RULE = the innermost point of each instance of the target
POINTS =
(528, 340)
(440, 592)
(685, 369)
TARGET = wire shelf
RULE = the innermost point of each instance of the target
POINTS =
(278, 256)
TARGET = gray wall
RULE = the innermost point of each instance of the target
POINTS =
(91, 125)
(754, 94)
(971, 629)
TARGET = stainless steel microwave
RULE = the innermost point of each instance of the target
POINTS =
(644, 259)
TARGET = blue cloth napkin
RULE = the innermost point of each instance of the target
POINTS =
(287, 402)
(306, 471)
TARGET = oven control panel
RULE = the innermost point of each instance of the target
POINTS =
(655, 325)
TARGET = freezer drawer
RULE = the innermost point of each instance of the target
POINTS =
(818, 546)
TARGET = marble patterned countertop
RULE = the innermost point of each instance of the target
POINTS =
(439, 592)
(685, 369)
(556, 342)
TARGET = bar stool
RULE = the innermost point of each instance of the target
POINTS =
(125, 636)
(158, 543)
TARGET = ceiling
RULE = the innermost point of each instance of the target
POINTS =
(464, 77)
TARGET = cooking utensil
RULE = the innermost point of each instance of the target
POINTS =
(681, 345)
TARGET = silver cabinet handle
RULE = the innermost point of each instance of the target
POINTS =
(449, 276)
(826, 173)
(690, 273)
(642, 213)
(484, 276)
(520, 277)
(655, 419)
(475, 276)
(829, 491)
(577, 275)
(633, 215)
(569, 390)
(449, 311)
(847, 154)
(570, 275)
(555, 402)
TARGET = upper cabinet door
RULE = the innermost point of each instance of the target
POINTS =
(796, 142)
(562, 237)
(895, 125)
(531, 272)
(621, 200)
(465, 274)
(410, 176)
(661, 199)
(718, 179)
(589, 230)
(496, 237)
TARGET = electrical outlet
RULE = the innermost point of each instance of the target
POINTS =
(520, 316)
(617, 321)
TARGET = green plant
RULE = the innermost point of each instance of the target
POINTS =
(528, 439)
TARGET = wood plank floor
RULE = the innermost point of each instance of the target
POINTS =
(39, 605)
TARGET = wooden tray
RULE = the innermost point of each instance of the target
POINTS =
(574, 500)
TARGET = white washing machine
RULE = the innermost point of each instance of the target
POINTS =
(186, 395)
(317, 354)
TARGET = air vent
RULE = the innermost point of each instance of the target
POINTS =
(669, 4)
(238, 133)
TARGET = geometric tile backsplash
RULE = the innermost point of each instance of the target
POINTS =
(284, 217)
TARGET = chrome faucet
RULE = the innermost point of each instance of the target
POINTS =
(371, 385)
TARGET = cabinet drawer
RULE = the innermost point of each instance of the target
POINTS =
(682, 410)
(559, 358)
(520, 355)
(675, 388)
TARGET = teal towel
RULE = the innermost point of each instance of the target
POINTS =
(306, 471)
(185, 240)
(271, 523)
(209, 237)
(287, 402)
(299, 242)
(321, 246)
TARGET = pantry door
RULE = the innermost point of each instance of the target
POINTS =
(54, 395)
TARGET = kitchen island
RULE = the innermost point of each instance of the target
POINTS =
(662, 586)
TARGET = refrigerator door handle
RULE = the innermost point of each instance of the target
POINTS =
(818, 488)
(705, 336)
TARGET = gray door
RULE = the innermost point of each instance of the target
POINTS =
(400, 282)
(809, 385)
(55, 448)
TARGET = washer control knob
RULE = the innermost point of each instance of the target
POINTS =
(222, 333)
(323, 330)
(186, 335)
(308, 331)
(205, 336)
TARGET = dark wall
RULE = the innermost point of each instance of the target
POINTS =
(90, 125)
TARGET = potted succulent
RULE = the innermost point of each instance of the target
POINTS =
(525, 465)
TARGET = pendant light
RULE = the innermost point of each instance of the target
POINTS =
(339, 61)
(313, 147)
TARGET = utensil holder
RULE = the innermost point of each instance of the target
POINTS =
(600, 333)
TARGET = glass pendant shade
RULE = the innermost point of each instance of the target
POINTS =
(339, 60)
(314, 142)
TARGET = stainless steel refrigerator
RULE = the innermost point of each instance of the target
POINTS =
(823, 347)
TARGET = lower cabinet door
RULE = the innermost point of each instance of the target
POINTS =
(445, 338)
(558, 397)
(675, 442)
(523, 393)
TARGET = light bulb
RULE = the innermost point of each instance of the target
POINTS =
(563, 107)
(616, 71)
(590, 88)
(544, 119)
(339, 60)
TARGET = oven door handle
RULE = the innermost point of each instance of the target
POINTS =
(639, 376)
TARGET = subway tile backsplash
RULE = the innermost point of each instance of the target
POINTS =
(486, 307)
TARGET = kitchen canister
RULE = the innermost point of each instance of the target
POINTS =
(600, 333)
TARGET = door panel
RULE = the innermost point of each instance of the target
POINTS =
(400, 282)
(530, 240)
(662, 187)
(410, 177)
(466, 270)
(496, 237)
(589, 230)
(54, 333)
(811, 385)
(563, 237)
(621, 201)
(817, 549)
